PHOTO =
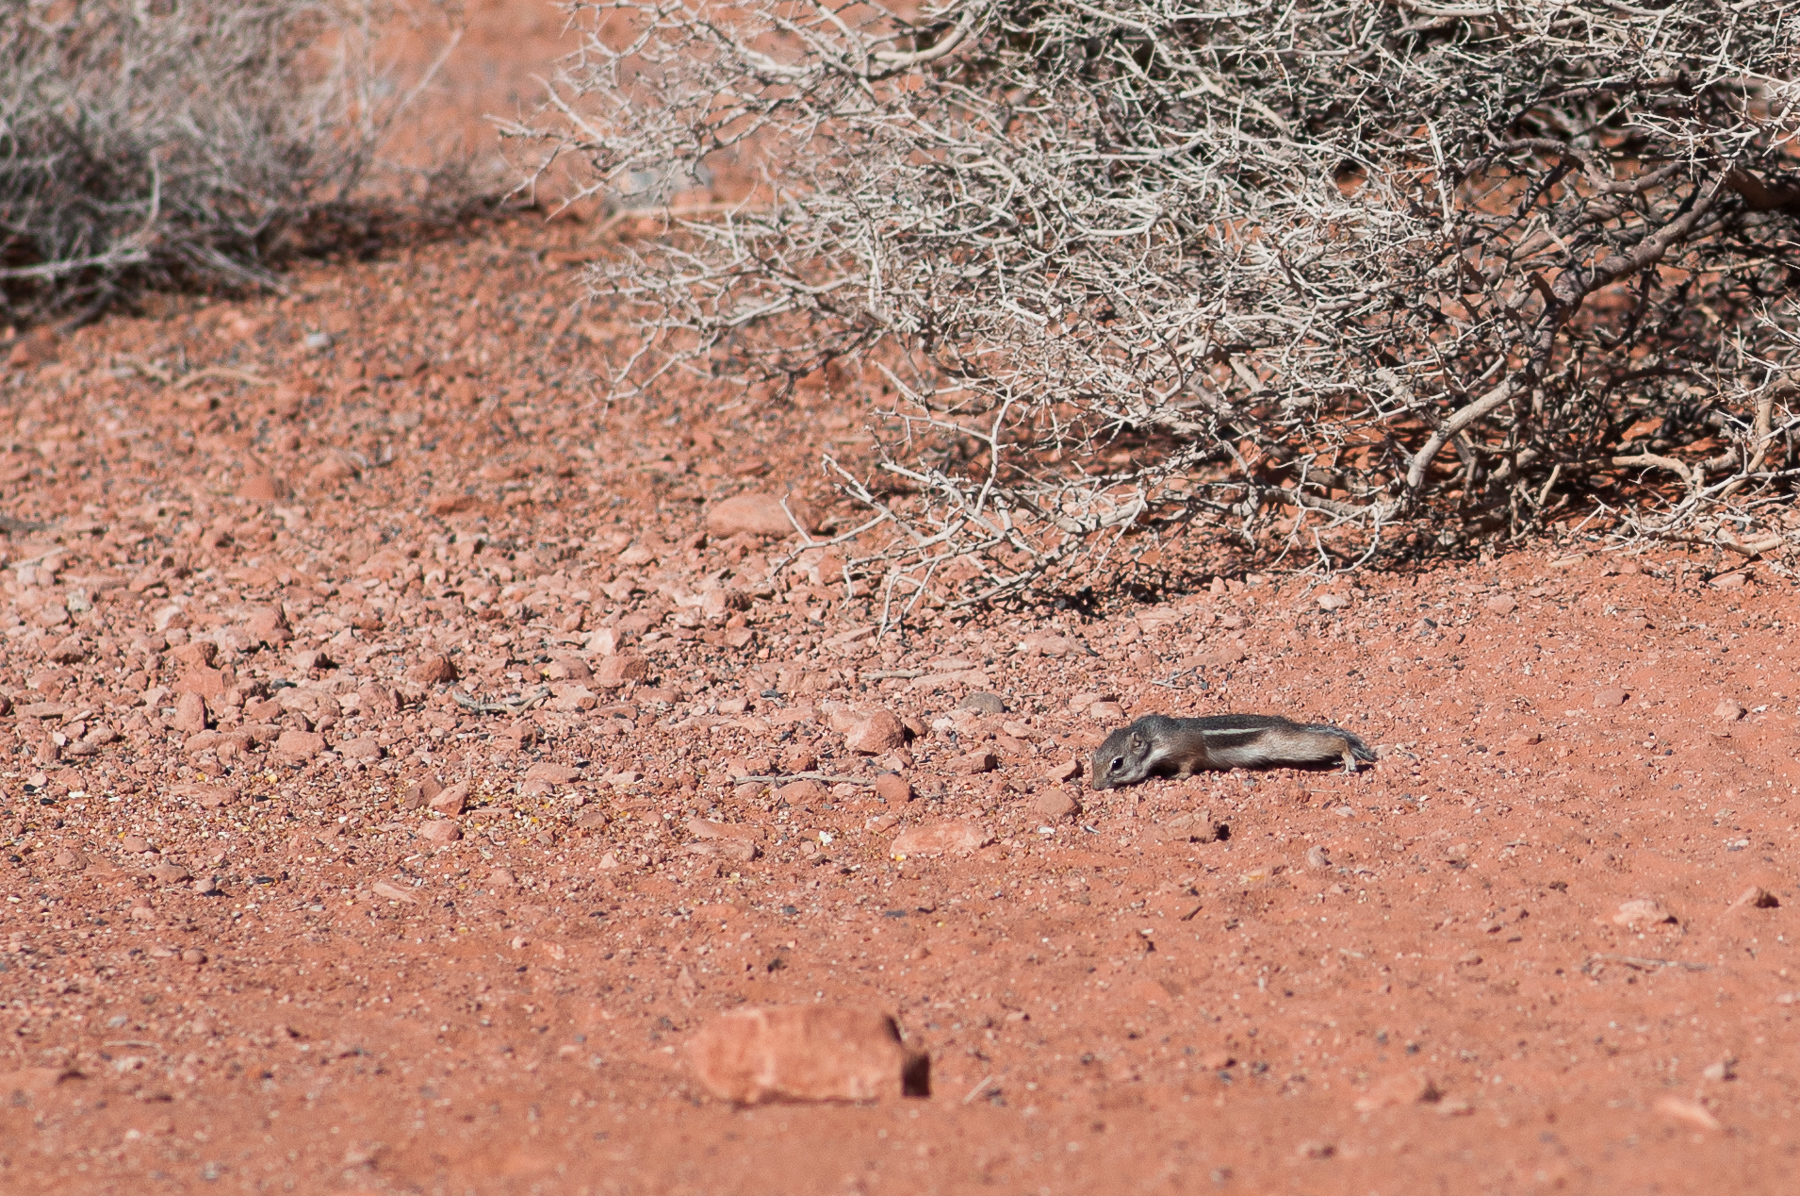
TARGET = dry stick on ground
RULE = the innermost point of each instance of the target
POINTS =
(807, 776)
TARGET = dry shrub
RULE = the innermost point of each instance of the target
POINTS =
(1328, 279)
(181, 142)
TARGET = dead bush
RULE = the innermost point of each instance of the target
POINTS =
(1329, 279)
(179, 142)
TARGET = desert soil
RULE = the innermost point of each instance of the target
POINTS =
(283, 912)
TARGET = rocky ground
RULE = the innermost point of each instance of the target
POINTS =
(408, 752)
(381, 704)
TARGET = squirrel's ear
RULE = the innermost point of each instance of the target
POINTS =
(1138, 744)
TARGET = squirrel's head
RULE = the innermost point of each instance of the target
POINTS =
(1116, 761)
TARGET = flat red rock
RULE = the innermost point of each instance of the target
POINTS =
(938, 838)
(806, 1053)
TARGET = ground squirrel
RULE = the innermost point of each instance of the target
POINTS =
(1159, 745)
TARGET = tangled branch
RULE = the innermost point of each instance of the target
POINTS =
(1126, 268)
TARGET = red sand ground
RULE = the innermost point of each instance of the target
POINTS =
(1417, 978)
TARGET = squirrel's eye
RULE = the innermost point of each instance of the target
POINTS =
(1118, 763)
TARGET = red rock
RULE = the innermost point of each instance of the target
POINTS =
(603, 641)
(1613, 696)
(450, 504)
(719, 604)
(970, 763)
(376, 698)
(1640, 912)
(1046, 643)
(553, 774)
(729, 849)
(299, 745)
(936, 838)
(394, 892)
(1501, 604)
(25, 1084)
(434, 669)
(1689, 1112)
(1226, 653)
(569, 668)
(208, 683)
(800, 793)
(363, 747)
(416, 794)
(756, 515)
(617, 669)
(336, 466)
(1054, 804)
(197, 655)
(451, 801)
(806, 1053)
(893, 789)
(37, 347)
(204, 741)
(1756, 897)
(309, 660)
(1728, 710)
(209, 797)
(261, 486)
(168, 874)
(190, 714)
(443, 831)
(878, 732)
(69, 650)
(268, 626)
(1401, 1089)
(754, 766)
(706, 828)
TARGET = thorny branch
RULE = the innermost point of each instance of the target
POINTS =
(1117, 269)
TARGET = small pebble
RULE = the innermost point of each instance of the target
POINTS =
(971, 763)
(441, 831)
(880, 731)
(452, 801)
(893, 789)
(1640, 912)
